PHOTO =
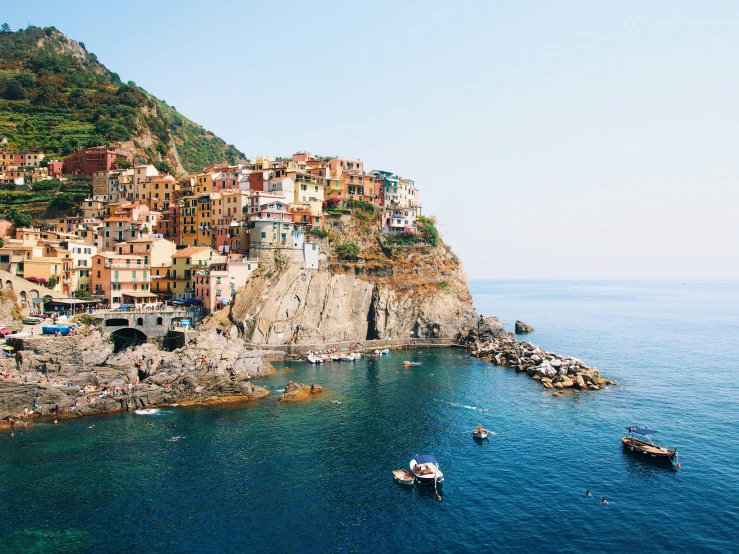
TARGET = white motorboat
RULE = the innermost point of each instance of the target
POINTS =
(386, 351)
(403, 477)
(426, 470)
(147, 411)
(378, 352)
(313, 359)
(348, 358)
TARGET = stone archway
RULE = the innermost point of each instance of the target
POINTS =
(9, 284)
(127, 337)
(23, 299)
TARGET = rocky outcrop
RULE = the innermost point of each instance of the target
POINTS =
(297, 392)
(285, 303)
(521, 328)
(73, 376)
(551, 370)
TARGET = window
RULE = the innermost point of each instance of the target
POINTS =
(160, 321)
(140, 321)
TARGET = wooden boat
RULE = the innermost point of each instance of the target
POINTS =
(482, 434)
(426, 470)
(646, 447)
(403, 477)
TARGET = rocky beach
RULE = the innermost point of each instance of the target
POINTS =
(79, 376)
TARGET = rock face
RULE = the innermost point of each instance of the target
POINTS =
(211, 368)
(522, 328)
(297, 392)
(551, 370)
(353, 302)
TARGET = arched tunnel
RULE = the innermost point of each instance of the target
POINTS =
(128, 336)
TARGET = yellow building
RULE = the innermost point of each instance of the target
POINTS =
(184, 263)
(48, 268)
(203, 221)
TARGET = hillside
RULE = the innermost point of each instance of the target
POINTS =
(55, 97)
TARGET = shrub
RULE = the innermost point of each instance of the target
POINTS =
(404, 238)
(348, 251)
(52, 282)
(442, 285)
(361, 205)
(46, 185)
(331, 203)
(427, 229)
(321, 233)
(82, 295)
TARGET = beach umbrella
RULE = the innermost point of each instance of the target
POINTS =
(8, 348)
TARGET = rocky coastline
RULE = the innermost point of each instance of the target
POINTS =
(52, 377)
(555, 372)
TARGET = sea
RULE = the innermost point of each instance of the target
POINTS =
(316, 476)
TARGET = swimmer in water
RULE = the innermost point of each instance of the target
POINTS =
(603, 500)
(587, 492)
(150, 424)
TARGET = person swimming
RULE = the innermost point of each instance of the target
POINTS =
(603, 500)
(587, 492)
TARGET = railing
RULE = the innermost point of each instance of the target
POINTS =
(111, 265)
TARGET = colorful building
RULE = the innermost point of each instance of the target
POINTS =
(92, 160)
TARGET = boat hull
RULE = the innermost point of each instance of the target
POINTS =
(435, 475)
(480, 436)
(648, 451)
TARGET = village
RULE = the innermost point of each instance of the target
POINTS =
(143, 240)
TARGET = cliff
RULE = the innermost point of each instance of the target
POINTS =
(399, 292)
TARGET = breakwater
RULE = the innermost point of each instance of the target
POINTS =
(551, 370)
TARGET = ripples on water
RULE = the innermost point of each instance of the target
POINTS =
(316, 476)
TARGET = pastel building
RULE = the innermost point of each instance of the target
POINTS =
(216, 282)
(121, 279)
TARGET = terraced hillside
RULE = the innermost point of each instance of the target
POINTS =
(56, 97)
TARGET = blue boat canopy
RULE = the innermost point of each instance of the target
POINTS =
(642, 430)
(426, 459)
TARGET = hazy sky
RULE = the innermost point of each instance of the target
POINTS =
(551, 139)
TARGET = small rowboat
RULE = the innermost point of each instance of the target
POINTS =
(403, 477)
(480, 435)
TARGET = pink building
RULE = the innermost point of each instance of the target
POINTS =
(217, 283)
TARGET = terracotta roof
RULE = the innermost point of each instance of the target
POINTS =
(190, 251)
(119, 218)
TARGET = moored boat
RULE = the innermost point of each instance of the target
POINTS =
(313, 359)
(403, 477)
(426, 469)
(647, 448)
(147, 411)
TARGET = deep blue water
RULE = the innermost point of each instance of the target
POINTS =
(315, 477)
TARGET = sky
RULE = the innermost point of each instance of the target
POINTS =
(551, 139)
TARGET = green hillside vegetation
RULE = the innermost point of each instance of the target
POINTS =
(56, 97)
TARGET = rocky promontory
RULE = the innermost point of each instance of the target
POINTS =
(76, 376)
(552, 370)
(522, 328)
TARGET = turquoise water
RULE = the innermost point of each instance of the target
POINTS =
(315, 477)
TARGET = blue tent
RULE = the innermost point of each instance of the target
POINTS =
(642, 430)
(426, 459)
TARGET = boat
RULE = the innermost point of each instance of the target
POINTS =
(313, 359)
(147, 411)
(378, 352)
(348, 358)
(403, 477)
(646, 447)
(386, 351)
(426, 469)
(409, 364)
(480, 434)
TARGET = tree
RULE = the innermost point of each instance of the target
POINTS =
(348, 251)
(61, 204)
(5, 28)
(15, 91)
(52, 282)
(82, 295)
(19, 219)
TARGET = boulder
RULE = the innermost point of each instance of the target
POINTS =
(580, 382)
(567, 383)
(522, 328)
(297, 392)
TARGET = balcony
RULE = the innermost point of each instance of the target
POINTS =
(114, 265)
